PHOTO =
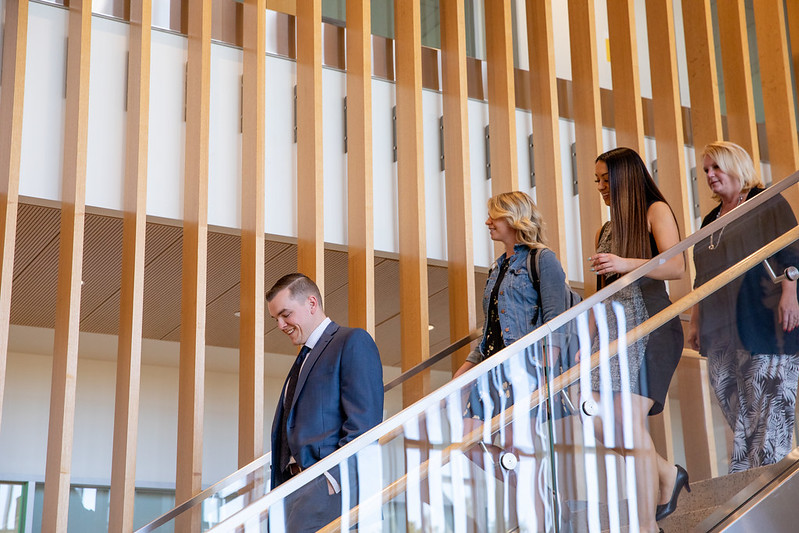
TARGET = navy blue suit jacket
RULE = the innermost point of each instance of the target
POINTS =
(339, 396)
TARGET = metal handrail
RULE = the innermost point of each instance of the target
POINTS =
(430, 361)
(266, 458)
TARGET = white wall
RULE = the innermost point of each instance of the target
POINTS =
(23, 432)
(43, 112)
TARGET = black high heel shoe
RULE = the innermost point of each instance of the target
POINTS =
(664, 510)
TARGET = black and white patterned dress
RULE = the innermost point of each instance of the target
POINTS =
(653, 358)
(752, 364)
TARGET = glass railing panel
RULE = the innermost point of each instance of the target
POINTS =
(557, 407)
(227, 496)
(473, 456)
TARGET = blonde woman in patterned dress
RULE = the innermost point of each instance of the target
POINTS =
(748, 328)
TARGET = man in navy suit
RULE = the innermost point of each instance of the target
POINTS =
(333, 394)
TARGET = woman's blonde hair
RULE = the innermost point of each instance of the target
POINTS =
(522, 215)
(735, 162)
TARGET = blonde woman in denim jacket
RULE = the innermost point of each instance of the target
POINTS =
(512, 306)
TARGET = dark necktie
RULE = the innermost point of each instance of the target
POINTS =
(288, 399)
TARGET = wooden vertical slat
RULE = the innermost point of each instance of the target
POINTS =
(501, 97)
(628, 114)
(697, 416)
(668, 121)
(70, 268)
(738, 94)
(703, 84)
(460, 246)
(546, 125)
(587, 126)
(283, 6)
(360, 212)
(126, 414)
(778, 103)
(15, 42)
(191, 394)
(410, 183)
(310, 185)
(251, 307)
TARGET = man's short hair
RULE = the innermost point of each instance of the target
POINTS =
(298, 284)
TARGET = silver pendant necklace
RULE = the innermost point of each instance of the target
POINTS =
(712, 245)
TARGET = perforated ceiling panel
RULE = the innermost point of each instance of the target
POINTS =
(36, 269)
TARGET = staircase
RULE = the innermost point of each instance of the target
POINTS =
(705, 498)
(709, 495)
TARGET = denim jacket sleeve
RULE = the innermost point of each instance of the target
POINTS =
(553, 286)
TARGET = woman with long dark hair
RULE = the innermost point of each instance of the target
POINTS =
(641, 226)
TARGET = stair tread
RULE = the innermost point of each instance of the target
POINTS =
(694, 507)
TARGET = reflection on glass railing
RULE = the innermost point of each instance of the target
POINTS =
(552, 433)
(474, 457)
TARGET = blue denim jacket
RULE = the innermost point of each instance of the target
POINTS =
(521, 309)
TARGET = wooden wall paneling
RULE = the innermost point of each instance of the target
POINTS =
(15, 42)
(501, 97)
(134, 224)
(460, 246)
(703, 85)
(628, 115)
(383, 50)
(474, 77)
(546, 125)
(191, 393)
(410, 179)
(587, 126)
(360, 211)
(225, 20)
(70, 268)
(738, 93)
(283, 6)
(310, 184)
(778, 102)
(251, 289)
(697, 416)
(669, 137)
